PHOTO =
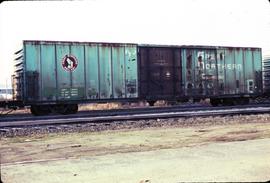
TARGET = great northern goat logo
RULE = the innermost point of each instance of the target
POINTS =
(69, 62)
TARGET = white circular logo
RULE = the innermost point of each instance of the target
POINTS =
(69, 63)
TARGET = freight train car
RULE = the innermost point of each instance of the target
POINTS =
(57, 76)
(226, 75)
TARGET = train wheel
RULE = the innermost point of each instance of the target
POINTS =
(183, 100)
(73, 108)
(151, 103)
(40, 110)
(171, 102)
(245, 101)
(63, 109)
(241, 101)
(214, 102)
(228, 102)
(196, 100)
(67, 109)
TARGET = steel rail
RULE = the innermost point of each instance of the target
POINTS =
(151, 114)
(113, 112)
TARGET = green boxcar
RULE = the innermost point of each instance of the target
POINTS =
(72, 71)
(221, 71)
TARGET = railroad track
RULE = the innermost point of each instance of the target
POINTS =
(132, 114)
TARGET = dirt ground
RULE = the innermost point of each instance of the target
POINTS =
(223, 152)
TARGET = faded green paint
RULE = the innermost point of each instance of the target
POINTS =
(32, 72)
(103, 70)
(258, 70)
(118, 60)
(48, 72)
(239, 73)
(49, 93)
(210, 69)
(230, 82)
(78, 75)
(248, 71)
(199, 60)
(63, 77)
(131, 71)
(92, 71)
(105, 76)
(32, 53)
(221, 71)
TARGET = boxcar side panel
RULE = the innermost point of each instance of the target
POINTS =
(248, 69)
(143, 72)
(77, 90)
(178, 73)
(63, 76)
(188, 63)
(66, 71)
(184, 71)
(92, 71)
(230, 82)
(131, 71)
(257, 62)
(118, 61)
(221, 71)
(239, 71)
(105, 75)
(160, 73)
(199, 63)
(47, 59)
(32, 82)
(210, 73)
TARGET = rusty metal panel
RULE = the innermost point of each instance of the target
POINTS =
(143, 52)
(178, 72)
(188, 62)
(158, 68)
(159, 72)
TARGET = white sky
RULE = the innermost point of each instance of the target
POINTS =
(179, 22)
